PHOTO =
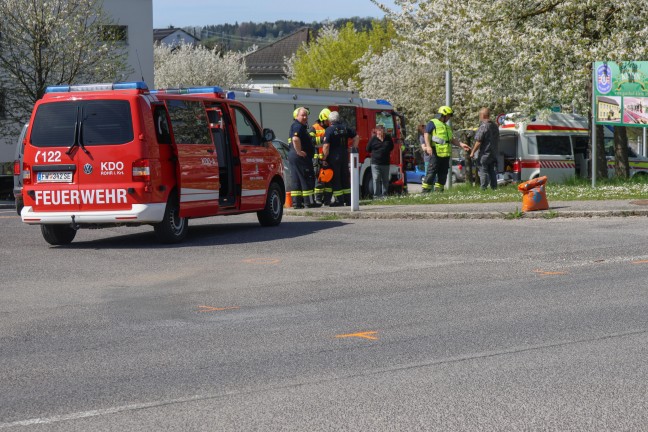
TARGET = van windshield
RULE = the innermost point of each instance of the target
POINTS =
(103, 122)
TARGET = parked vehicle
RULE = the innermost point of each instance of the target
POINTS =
(17, 170)
(274, 108)
(638, 164)
(417, 174)
(103, 155)
(555, 147)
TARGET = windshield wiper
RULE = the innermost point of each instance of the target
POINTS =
(81, 135)
(75, 141)
(78, 131)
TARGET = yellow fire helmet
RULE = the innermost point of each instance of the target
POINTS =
(446, 110)
(324, 114)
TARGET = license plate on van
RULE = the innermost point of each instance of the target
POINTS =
(54, 177)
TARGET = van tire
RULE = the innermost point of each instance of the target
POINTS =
(272, 213)
(173, 228)
(58, 235)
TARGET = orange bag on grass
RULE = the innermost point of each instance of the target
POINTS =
(534, 196)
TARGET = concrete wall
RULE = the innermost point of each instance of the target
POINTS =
(138, 16)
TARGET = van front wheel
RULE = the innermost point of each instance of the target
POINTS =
(272, 213)
(173, 228)
(58, 235)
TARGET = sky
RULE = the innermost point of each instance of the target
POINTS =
(185, 13)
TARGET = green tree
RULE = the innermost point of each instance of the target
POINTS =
(335, 58)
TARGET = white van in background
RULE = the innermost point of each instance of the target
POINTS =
(555, 146)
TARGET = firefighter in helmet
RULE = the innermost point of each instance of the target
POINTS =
(323, 191)
(300, 157)
(438, 144)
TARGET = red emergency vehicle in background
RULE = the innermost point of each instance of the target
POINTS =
(274, 107)
(103, 155)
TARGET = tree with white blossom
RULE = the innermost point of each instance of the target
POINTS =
(53, 42)
(511, 55)
(187, 65)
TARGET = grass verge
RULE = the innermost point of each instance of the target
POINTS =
(573, 190)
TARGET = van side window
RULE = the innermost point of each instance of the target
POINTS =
(552, 145)
(248, 132)
(161, 125)
(189, 122)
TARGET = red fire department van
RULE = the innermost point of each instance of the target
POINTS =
(102, 155)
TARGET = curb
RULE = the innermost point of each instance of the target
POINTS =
(544, 214)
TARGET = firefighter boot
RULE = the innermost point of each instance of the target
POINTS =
(298, 201)
(310, 202)
(328, 196)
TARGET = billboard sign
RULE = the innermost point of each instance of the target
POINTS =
(621, 93)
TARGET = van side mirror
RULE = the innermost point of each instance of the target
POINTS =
(268, 135)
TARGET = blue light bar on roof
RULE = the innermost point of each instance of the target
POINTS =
(382, 102)
(215, 90)
(200, 90)
(135, 85)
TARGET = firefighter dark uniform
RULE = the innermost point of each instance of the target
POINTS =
(323, 191)
(302, 173)
(337, 136)
(441, 143)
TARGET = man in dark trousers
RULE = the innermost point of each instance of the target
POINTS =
(323, 190)
(486, 148)
(336, 155)
(438, 143)
(300, 157)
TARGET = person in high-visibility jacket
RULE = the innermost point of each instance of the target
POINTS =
(438, 144)
(323, 191)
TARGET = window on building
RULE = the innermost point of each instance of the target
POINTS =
(114, 33)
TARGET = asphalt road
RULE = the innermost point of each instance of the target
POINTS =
(350, 325)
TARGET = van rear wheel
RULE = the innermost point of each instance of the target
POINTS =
(58, 235)
(272, 213)
(173, 228)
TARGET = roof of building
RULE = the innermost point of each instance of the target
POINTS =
(269, 60)
(160, 34)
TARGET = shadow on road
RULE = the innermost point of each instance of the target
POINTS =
(210, 235)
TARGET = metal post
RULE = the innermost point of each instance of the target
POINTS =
(448, 78)
(644, 152)
(355, 182)
(593, 125)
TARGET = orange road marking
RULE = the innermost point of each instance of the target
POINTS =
(549, 273)
(261, 261)
(364, 335)
(203, 308)
(640, 262)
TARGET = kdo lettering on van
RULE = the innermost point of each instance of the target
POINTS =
(112, 168)
(83, 196)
